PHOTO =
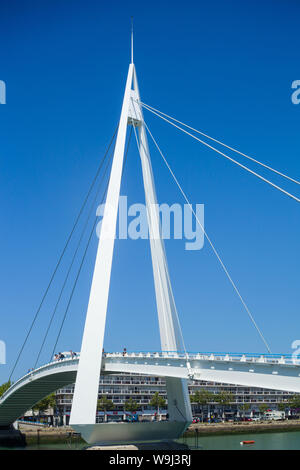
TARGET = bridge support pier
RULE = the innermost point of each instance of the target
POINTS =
(11, 437)
(179, 407)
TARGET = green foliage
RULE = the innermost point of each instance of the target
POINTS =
(202, 397)
(45, 403)
(224, 398)
(103, 404)
(5, 386)
(131, 405)
(294, 402)
(282, 406)
(157, 401)
(244, 406)
(263, 407)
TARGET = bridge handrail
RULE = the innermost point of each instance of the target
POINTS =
(217, 356)
(196, 355)
(31, 373)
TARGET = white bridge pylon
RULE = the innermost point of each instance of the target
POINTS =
(89, 368)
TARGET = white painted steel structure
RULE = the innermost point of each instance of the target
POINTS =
(265, 371)
(87, 382)
(83, 414)
(274, 372)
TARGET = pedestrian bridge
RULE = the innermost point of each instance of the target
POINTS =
(277, 372)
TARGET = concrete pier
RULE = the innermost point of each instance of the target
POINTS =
(164, 445)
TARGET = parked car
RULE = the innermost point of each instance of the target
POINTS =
(274, 415)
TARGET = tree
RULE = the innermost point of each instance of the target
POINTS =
(263, 408)
(202, 398)
(103, 404)
(45, 404)
(5, 386)
(131, 405)
(244, 407)
(224, 399)
(294, 403)
(157, 401)
(282, 406)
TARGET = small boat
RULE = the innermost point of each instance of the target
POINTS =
(246, 442)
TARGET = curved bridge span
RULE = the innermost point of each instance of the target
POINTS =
(268, 371)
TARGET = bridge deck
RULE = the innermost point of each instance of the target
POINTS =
(278, 372)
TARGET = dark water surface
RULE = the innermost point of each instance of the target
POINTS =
(263, 441)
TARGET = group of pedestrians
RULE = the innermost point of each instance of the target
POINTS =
(60, 356)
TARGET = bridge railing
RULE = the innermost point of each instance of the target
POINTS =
(216, 356)
(288, 359)
(33, 372)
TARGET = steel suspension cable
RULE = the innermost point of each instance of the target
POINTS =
(84, 256)
(76, 279)
(71, 264)
(62, 254)
(147, 106)
(228, 157)
(210, 242)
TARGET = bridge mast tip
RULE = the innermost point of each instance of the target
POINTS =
(132, 39)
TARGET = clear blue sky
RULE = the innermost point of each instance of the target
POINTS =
(224, 67)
